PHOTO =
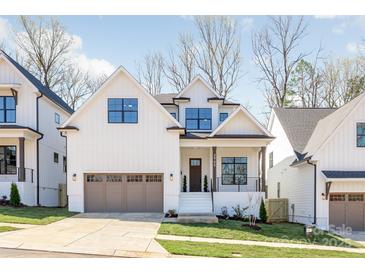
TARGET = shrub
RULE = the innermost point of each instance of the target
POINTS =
(184, 184)
(205, 183)
(239, 212)
(14, 195)
(263, 214)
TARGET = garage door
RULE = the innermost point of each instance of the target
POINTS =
(123, 192)
(347, 209)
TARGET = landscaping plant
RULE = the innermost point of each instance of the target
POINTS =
(184, 184)
(263, 213)
(205, 183)
(14, 195)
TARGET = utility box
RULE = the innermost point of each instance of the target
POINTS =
(62, 195)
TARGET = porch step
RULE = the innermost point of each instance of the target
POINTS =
(195, 202)
(207, 218)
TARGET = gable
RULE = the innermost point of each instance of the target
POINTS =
(240, 122)
(328, 126)
(8, 75)
(121, 85)
(198, 93)
(190, 90)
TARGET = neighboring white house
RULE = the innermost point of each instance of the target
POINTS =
(317, 161)
(129, 151)
(32, 152)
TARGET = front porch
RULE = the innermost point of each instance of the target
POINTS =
(18, 161)
(227, 173)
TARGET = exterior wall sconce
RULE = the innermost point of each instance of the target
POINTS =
(74, 177)
(171, 177)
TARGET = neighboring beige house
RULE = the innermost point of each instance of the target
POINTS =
(128, 151)
(317, 161)
(32, 152)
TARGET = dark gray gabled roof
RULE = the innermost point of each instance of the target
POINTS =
(165, 98)
(299, 124)
(340, 174)
(41, 88)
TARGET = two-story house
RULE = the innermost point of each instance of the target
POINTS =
(194, 152)
(32, 152)
(317, 161)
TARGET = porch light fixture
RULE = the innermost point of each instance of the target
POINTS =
(74, 177)
(171, 177)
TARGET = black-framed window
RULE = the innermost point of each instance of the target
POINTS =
(7, 159)
(173, 114)
(234, 170)
(55, 157)
(223, 116)
(7, 109)
(360, 134)
(57, 118)
(198, 118)
(64, 164)
(123, 110)
(271, 159)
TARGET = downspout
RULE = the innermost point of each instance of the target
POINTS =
(65, 136)
(37, 127)
(315, 191)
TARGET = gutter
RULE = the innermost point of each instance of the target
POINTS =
(40, 138)
(314, 192)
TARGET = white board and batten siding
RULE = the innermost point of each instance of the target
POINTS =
(145, 147)
(340, 152)
(295, 183)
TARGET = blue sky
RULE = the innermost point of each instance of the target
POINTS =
(105, 42)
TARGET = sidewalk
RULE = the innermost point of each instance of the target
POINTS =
(269, 244)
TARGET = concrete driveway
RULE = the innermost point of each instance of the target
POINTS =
(110, 234)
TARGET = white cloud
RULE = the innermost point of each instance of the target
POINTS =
(247, 23)
(355, 48)
(5, 29)
(94, 66)
(325, 16)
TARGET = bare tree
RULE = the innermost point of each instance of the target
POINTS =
(344, 79)
(150, 72)
(43, 45)
(306, 84)
(275, 53)
(217, 52)
(180, 68)
(77, 86)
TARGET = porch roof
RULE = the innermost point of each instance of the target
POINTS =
(16, 131)
(334, 175)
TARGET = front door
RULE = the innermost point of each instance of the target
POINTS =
(195, 175)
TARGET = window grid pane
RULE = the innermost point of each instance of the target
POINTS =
(198, 118)
(234, 170)
(122, 110)
(7, 109)
(8, 160)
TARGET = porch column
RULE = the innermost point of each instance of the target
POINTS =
(21, 171)
(214, 168)
(263, 170)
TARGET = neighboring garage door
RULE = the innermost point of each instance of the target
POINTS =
(123, 192)
(347, 209)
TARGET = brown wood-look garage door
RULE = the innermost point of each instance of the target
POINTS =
(123, 192)
(347, 209)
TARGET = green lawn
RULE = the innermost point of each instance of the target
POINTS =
(7, 228)
(33, 215)
(249, 251)
(229, 229)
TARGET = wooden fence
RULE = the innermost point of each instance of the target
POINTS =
(277, 210)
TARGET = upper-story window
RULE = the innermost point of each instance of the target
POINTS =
(198, 118)
(173, 114)
(123, 110)
(57, 118)
(222, 116)
(360, 134)
(7, 109)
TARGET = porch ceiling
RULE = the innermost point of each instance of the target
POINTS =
(15, 131)
(225, 142)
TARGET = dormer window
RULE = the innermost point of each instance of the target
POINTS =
(222, 116)
(7, 109)
(198, 118)
(360, 134)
